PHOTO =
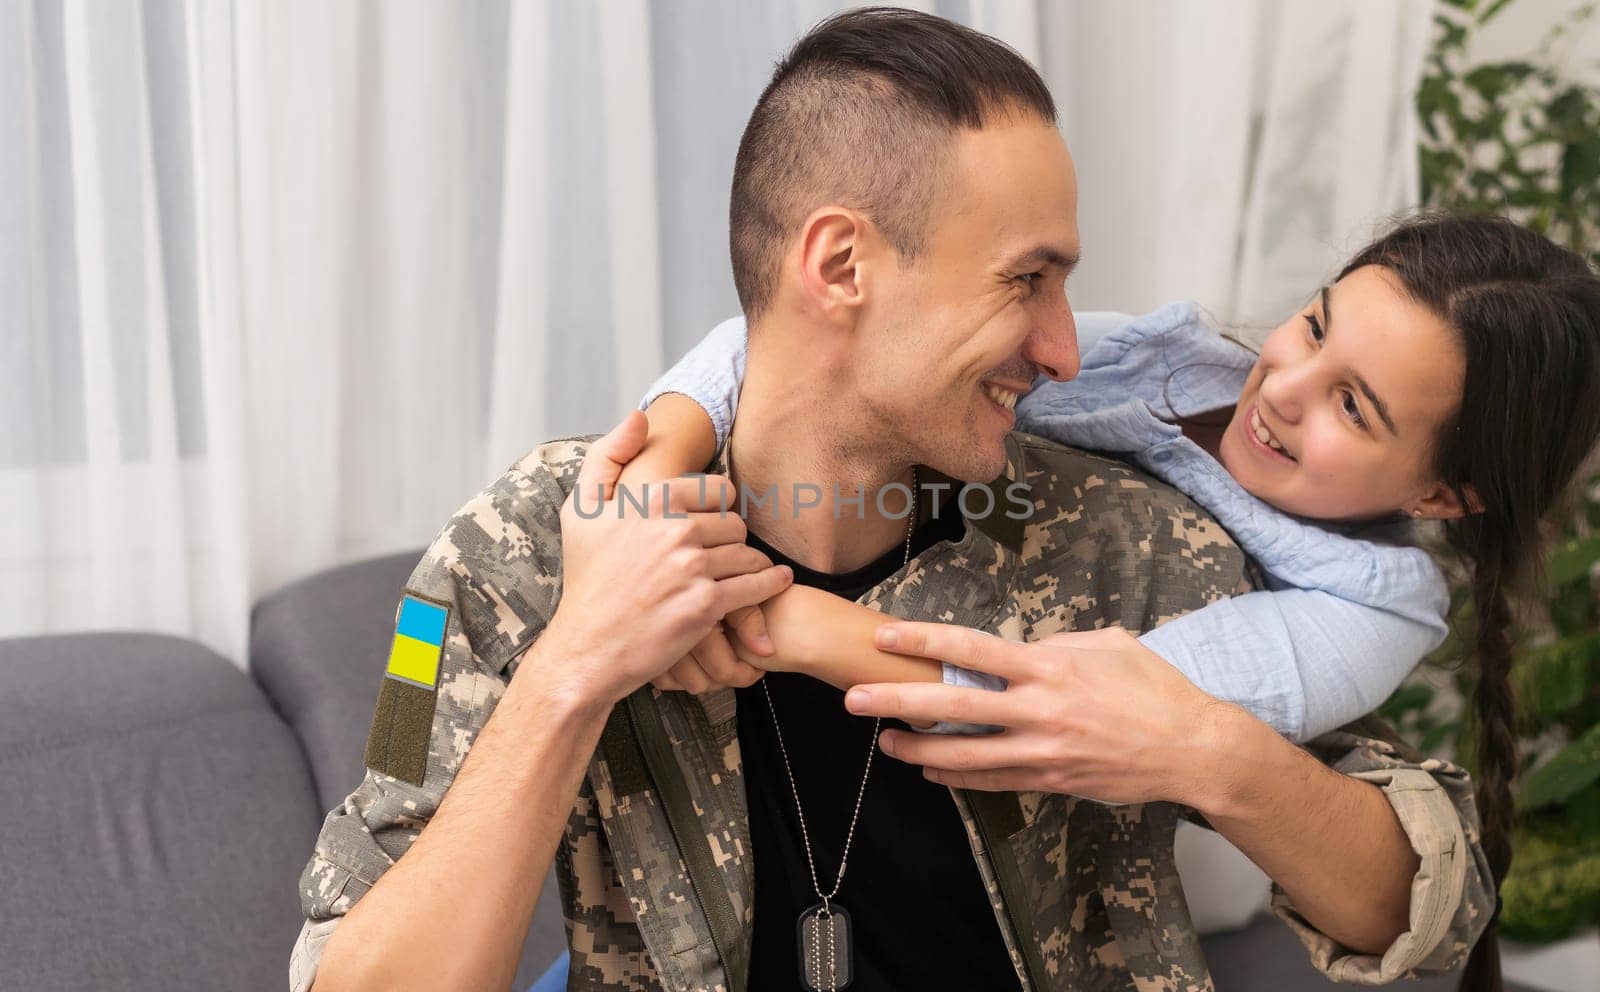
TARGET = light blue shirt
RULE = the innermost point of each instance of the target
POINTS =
(1347, 613)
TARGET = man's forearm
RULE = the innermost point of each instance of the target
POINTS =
(1331, 841)
(454, 911)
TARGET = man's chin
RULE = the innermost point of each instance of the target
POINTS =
(980, 462)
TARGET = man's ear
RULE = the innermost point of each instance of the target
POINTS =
(834, 245)
(1440, 502)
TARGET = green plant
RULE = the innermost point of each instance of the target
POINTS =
(1521, 138)
(1518, 137)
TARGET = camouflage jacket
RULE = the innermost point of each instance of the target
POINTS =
(656, 870)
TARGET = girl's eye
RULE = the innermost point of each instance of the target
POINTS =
(1352, 409)
(1314, 326)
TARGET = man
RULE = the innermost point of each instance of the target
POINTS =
(903, 224)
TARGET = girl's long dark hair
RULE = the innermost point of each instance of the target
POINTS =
(1526, 315)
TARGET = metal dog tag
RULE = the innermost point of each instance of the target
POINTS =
(825, 948)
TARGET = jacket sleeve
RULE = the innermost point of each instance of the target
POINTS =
(1303, 660)
(1452, 894)
(710, 374)
(495, 569)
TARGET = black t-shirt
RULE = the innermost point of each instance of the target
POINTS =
(919, 914)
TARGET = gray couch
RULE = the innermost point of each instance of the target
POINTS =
(168, 800)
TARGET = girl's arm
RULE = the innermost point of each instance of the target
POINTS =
(831, 638)
(690, 410)
(1303, 661)
(710, 375)
(681, 440)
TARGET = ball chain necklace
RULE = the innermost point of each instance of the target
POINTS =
(826, 950)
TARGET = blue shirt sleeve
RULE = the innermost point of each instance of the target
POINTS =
(710, 374)
(1303, 660)
(1095, 324)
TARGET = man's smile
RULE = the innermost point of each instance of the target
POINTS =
(1003, 397)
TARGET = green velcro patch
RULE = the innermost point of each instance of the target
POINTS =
(398, 742)
(621, 751)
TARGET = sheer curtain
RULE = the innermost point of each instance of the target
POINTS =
(285, 282)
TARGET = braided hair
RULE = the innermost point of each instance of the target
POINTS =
(1526, 314)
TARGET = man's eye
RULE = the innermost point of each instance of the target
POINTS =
(1031, 279)
(1314, 326)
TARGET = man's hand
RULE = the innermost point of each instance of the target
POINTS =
(1092, 714)
(641, 589)
(714, 663)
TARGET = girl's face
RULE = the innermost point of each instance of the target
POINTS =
(1338, 418)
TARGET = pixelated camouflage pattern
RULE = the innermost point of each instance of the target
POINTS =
(1106, 546)
(1099, 904)
(608, 952)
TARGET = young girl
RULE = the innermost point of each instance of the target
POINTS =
(1451, 372)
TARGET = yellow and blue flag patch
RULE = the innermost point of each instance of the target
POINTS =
(418, 641)
(402, 725)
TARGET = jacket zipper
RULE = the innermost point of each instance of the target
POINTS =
(667, 779)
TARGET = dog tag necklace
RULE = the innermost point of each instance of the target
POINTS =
(827, 949)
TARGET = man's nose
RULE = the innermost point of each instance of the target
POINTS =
(1053, 346)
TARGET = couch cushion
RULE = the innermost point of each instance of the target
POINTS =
(166, 813)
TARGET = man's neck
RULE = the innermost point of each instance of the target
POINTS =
(798, 434)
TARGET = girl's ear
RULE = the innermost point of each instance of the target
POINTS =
(1440, 502)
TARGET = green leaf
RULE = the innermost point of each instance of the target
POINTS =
(1573, 561)
(1574, 767)
(1554, 884)
(1494, 9)
(1570, 109)
(1489, 81)
(1409, 697)
(1492, 80)
(1435, 97)
(1571, 608)
(1451, 36)
(1530, 197)
(1555, 678)
(1580, 164)
(1583, 811)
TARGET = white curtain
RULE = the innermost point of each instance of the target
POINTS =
(281, 283)
(1234, 152)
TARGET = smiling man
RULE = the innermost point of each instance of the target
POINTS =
(903, 223)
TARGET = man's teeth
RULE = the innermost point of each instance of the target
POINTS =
(1262, 434)
(1004, 397)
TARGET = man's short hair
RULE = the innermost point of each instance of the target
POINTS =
(861, 113)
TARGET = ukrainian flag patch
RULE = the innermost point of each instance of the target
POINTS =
(418, 642)
(402, 724)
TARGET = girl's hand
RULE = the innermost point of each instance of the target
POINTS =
(773, 637)
(715, 663)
